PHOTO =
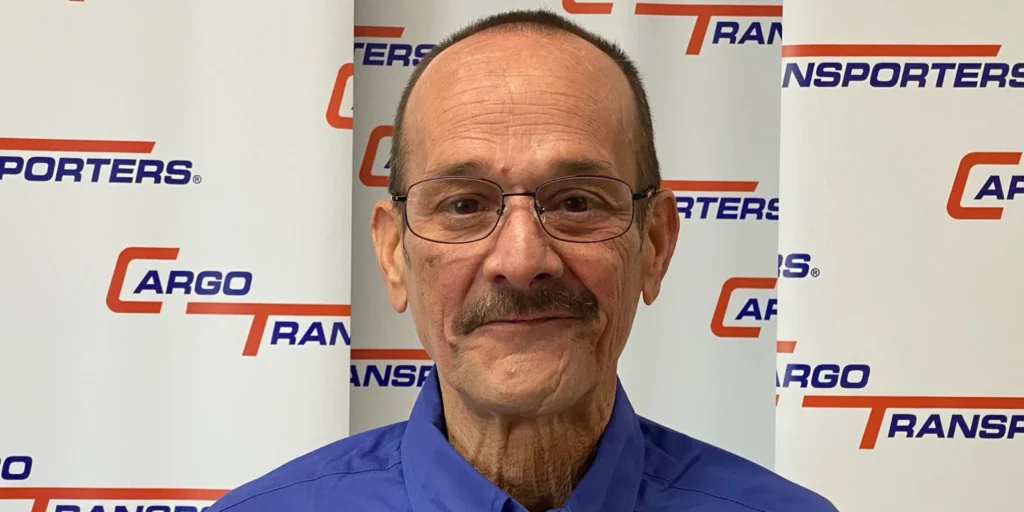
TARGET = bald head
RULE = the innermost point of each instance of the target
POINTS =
(539, 80)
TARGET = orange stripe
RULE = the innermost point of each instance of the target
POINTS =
(785, 347)
(398, 354)
(241, 308)
(77, 146)
(374, 31)
(80, 493)
(656, 9)
(890, 50)
(913, 402)
(709, 186)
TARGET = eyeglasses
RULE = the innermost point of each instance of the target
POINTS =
(581, 209)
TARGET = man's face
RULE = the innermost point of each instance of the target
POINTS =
(520, 323)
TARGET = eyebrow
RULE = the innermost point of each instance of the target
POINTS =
(561, 168)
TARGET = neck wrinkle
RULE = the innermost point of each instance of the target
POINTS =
(537, 461)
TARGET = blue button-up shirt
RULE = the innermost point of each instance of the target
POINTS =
(411, 467)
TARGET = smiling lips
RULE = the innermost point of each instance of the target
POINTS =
(528, 320)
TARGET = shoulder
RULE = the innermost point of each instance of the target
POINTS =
(340, 467)
(697, 473)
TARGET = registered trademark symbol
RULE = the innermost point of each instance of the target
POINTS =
(815, 272)
(197, 179)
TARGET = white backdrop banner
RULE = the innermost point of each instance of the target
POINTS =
(900, 375)
(700, 360)
(175, 222)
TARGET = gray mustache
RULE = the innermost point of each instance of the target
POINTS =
(510, 302)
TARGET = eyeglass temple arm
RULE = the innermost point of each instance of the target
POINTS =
(645, 195)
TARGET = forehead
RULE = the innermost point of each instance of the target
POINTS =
(520, 107)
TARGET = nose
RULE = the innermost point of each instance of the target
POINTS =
(522, 255)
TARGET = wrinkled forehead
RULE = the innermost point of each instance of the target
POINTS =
(520, 108)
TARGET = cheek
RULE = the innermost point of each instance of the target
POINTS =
(608, 272)
(441, 281)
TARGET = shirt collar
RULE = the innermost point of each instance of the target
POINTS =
(439, 479)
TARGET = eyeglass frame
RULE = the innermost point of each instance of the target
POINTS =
(537, 209)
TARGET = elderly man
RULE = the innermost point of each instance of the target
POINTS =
(525, 224)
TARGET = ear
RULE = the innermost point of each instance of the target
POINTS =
(386, 229)
(659, 242)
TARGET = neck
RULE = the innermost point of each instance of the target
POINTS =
(535, 460)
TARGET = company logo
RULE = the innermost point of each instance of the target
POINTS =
(148, 293)
(735, 29)
(915, 418)
(335, 118)
(755, 309)
(90, 161)
(817, 376)
(995, 187)
(378, 136)
(909, 417)
(378, 368)
(14, 468)
(722, 200)
(387, 53)
(886, 66)
(88, 499)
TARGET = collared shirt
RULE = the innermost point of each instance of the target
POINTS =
(410, 467)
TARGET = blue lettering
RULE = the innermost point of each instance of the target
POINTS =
(993, 426)
(942, 68)
(149, 169)
(824, 376)
(70, 167)
(151, 282)
(893, 69)
(752, 309)
(902, 423)
(993, 188)
(121, 171)
(969, 432)
(16, 467)
(279, 333)
(725, 30)
(398, 375)
(989, 426)
(886, 74)
(375, 54)
(1017, 72)
(97, 166)
(206, 282)
(728, 208)
(287, 331)
(967, 74)
(932, 427)
(399, 53)
(914, 72)
(374, 370)
(803, 77)
(995, 72)
(421, 52)
(10, 165)
(180, 279)
(48, 167)
(794, 266)
(753, 33)
(179, 172)
(314, 334)
(67, 508)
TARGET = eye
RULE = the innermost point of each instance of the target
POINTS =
(576, 204)
(462, 206)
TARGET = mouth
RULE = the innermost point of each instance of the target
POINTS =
(528, 320)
